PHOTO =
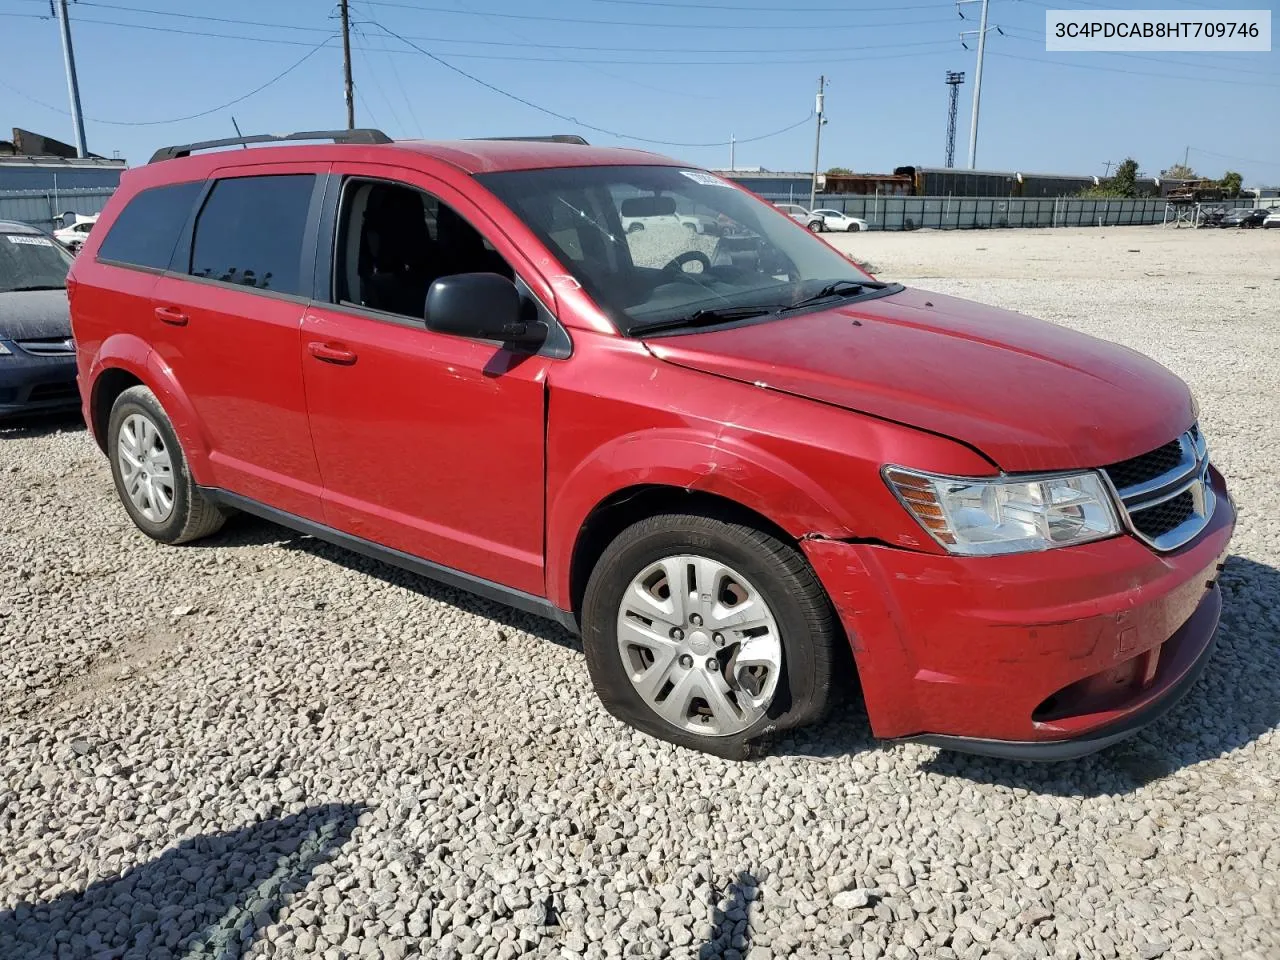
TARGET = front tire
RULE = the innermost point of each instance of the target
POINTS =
(151, 473)
(709, 634)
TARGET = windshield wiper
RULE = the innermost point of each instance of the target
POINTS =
(35, 287)
(705, 318)
(837, 288)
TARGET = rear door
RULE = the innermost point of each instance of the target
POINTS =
(430, 444)
(227, 320)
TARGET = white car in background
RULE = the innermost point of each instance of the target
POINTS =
(839, 222)
(801, 215)
(1273, 220)
(72, 237)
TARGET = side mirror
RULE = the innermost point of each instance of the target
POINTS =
(483, 306)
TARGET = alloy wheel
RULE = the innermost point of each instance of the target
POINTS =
(146, 468)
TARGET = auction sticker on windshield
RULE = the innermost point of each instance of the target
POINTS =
(29, 241)
(1100, 31)
(706, 179)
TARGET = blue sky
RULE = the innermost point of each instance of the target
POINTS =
(693, 72)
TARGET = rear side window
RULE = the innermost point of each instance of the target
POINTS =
(251, 232)
(147, 229)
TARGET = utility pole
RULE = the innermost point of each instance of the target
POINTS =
(73, 85)
(977, 79)
(732, 143)
(1186, 158)
(817, 144)
(954, 80)
(348, 92)
(1107, 167)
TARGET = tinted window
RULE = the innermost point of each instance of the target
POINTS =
(250, 232)
(147, 229)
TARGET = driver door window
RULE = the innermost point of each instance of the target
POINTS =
(396, 240)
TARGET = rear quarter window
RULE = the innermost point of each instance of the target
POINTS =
(148, 228)
(251, 232)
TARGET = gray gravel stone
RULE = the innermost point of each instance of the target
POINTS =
(165, 712)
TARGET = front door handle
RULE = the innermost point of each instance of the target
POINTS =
(331, 353)
(172, 315)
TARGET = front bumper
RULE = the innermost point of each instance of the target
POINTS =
(1048, 655)
(30, 384)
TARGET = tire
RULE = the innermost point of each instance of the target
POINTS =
(190, 515)
(807, 635)
(815, 226)
(635, 228)
(854, 228)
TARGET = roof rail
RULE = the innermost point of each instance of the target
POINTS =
(365, 135)
(553, 138)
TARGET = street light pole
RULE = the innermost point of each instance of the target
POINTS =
(817, 143)
(977, 89)
(73, 85)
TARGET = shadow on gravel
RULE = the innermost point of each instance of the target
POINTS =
(244, 531)
(208, 897)
(30, 426)
(1236, 701)
(732, 921)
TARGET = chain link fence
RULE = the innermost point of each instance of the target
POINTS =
(980, 213)
(45, 208)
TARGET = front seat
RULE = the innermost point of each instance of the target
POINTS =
(396, 250)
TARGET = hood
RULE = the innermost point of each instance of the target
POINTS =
(1029, 394)
(32, 314)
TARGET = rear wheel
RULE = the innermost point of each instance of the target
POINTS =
(151, 474)
(815, 226)
(708, 633)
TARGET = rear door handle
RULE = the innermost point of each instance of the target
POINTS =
(331, 353)
(172, 315)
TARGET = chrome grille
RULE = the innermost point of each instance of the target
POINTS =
(1165, 494)
(48, 346)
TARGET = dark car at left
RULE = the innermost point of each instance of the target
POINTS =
(37, 352)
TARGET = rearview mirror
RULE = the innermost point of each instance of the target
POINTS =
(648, 207)
(483, 306)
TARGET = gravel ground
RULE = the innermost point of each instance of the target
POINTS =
(263, 746)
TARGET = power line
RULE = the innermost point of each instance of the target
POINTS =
(194, 116)
(642, 23)
(1223, 156)
(568, 119)
(1136, 73)
(739, 8)
(646, 61)
(1014, 33)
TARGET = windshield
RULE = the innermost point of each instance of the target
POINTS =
(31, 262)
(653, 245)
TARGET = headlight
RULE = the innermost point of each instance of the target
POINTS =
(979, 517)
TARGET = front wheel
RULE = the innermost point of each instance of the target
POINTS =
(708, 633)
(854, 228)
(151, 474)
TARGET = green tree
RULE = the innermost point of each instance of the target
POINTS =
(839, 172)
(1125, 181)
(1231, 183)
(1123, 184)
(1180, 171)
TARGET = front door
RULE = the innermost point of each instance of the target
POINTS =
(430, 444)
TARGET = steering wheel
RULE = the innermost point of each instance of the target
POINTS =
(676, 265)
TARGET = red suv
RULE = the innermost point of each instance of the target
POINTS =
(726, 457)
